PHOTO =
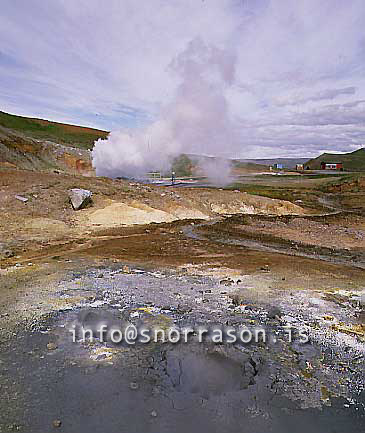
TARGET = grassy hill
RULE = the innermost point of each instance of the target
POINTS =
(70, 135)
(354, 161)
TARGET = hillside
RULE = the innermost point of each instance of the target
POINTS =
(354, 161)
(69, 135)
(22, 152)
(42, 145)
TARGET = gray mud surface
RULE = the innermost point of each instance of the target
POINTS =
(50, 383)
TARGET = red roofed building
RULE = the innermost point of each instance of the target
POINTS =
(331, 166)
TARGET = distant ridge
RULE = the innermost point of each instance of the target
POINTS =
(287, 162)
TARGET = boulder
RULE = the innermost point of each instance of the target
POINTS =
(274, 312)
(362, 301)
(5, 253)
(79, 198)
(21, 198)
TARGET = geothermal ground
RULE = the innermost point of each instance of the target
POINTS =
(272, 253)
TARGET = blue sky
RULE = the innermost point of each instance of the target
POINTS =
(298, 85)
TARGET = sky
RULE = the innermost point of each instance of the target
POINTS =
(296, 82)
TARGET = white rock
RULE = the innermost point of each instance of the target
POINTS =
(79, 198)
(20, 198)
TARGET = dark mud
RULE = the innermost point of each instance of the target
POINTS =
(162, 387)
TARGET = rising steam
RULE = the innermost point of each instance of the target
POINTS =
(196, 121)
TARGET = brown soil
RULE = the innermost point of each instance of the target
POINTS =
(342, 231)
(47, 218)
(47, 230)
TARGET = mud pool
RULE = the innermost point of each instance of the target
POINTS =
(162, 387)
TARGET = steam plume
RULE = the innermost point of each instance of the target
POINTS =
(196, 121)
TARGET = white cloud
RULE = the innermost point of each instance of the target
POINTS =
(108, 64)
